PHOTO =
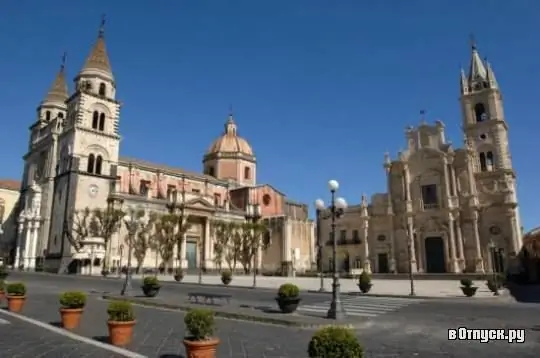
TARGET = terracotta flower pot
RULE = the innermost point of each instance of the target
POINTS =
(71, 317)
(120, 333)
(16, 303)
(201, 349)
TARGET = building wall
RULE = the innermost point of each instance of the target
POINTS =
(9, 198)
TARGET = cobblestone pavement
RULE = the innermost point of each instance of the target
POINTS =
(415, 331)
(19, 339)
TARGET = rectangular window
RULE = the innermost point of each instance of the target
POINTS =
(356, 236)
(358, 262)
(171, 190)
(217, 199)
(143, 188)
(196, 191)
(343, 235)
(429, 196)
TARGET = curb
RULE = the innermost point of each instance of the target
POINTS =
(228, 315)
(352, 293)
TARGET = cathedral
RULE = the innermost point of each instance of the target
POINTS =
(73, 163)
(446, 209)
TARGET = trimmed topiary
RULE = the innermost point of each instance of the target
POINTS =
(335, 342)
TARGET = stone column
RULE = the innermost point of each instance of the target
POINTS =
(367, 263)
(447, 179)
(208, 262)
(27, 243)
(410, 237)
(183, 261)
(453, 178)
(406, 176)
(454, 267)
(19, 248)
(390, 212)
(459, 238)
(34, 241)
(478, 245)
(515, 231)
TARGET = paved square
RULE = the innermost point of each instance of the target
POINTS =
(361, 306)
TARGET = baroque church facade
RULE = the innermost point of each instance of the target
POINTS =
(73, 162)
(446, 209)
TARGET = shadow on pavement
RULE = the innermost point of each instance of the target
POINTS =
(102, 339)
(265, 309)
(524, 293)
(56, 324)
(171, 356)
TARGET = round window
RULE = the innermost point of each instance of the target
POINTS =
(267, 199)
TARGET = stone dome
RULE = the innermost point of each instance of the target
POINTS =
(230, 141)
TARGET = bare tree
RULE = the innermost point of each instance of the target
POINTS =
(155, 240)
(80, 228)
(141, 241)
(234, 245)
(166, 234)
(253, 238)
(104, 223)
(223, 234)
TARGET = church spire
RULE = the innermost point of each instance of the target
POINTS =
(477, 70)
(58, 92)
(98, 58)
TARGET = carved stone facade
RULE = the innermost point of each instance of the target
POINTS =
(73, 158)
(451, 210)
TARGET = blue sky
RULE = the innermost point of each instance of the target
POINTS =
(321, 89)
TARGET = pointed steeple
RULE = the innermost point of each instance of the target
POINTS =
(58, 92)
(463, 83)
(98, 58)
(230, 125)
(477, 71)
(490, 76)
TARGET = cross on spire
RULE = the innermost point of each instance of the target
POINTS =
(473, 41)
(230, 110)
(102, 26)
(64, 59)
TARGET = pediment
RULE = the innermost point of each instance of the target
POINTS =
(200, 203)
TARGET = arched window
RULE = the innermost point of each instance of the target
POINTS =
(102, 89)
(95, 119)
(99, 163)
(247, 173)
(102, 122)
(489, 160)
(61, 115)
(480, 112)
(91, 161)
(48, 115)
(483, 164)
(211, 171)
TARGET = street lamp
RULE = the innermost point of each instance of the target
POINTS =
(337, 209)
(253, 215)
(133, 224)
(492, 250)
(319, 207)
(412, 236)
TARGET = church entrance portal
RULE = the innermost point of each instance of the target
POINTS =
(383, 263)
(435, 262)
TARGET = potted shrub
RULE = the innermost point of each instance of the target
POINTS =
(178, 275)
(288, 298)
(335, 342)
(3, 272)
(150, 286)
(121, 322)
(71, 308)
(201, 326)
(226, 277)
(364, 282)
(2, 289)
(467, 287)
(16, 296)
(493, 286)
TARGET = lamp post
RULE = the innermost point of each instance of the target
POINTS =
(409, 256)
(337, 208)
(121, 252)
(492, 250)
(253, 215)
(133, 224)
(318, 212)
